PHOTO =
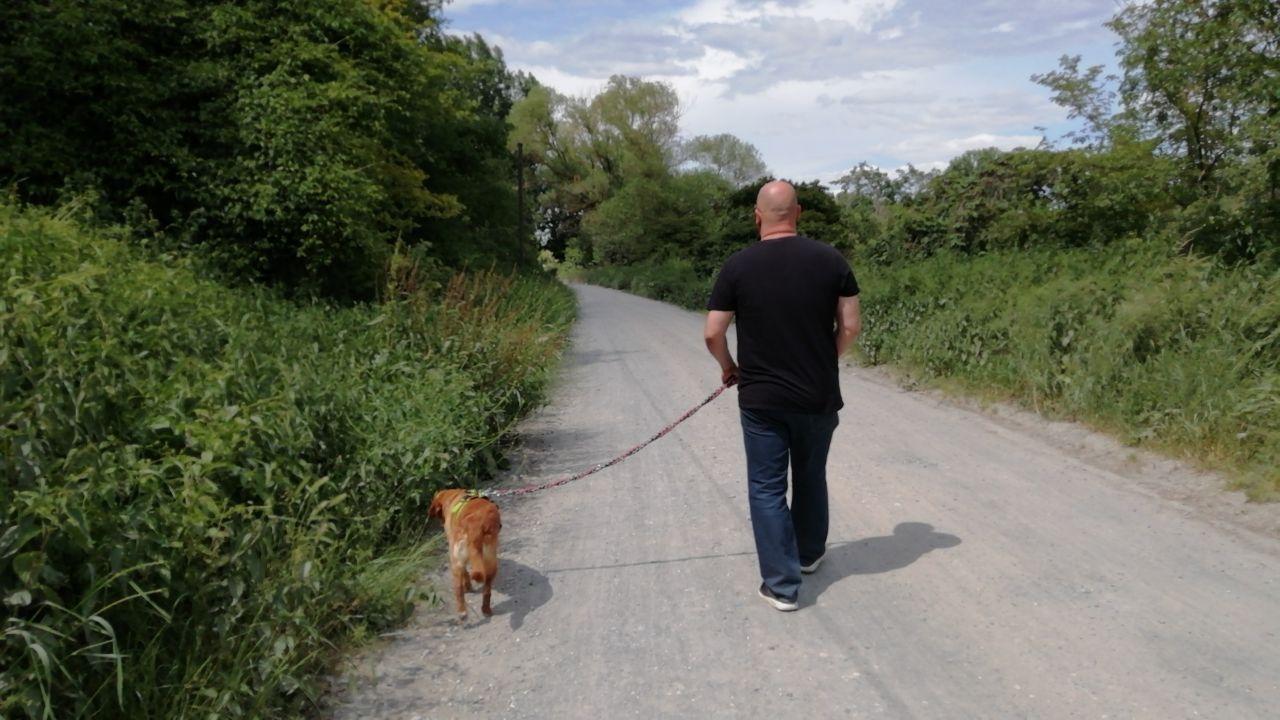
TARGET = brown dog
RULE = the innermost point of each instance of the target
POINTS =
(471, 525)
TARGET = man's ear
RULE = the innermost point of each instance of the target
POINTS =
(759, 219)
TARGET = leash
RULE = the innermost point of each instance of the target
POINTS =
(527, 489)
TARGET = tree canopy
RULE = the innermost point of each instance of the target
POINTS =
(295, 142)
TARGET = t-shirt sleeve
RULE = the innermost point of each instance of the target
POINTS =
(848, 284)
(722, 295)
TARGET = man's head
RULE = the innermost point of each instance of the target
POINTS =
(777, 211)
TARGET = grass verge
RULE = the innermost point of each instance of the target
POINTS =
(203, 490)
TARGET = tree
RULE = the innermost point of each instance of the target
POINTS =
(1087, 97)
(293, 142)
(1200, 74)
(585, 150)
(733, 159)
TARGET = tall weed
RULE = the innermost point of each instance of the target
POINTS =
(1175, 352)
(200, 487)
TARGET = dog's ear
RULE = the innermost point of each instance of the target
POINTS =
(437, 506)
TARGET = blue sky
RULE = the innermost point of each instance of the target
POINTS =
(816, 85)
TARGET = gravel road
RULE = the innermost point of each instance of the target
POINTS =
(983, 564)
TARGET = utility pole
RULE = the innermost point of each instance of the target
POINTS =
(519, 193)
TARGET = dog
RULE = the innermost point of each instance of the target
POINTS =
(471, 525)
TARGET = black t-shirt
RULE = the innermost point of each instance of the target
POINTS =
(784, 293)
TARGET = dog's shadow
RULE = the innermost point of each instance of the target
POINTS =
(525, 590)
(909, 542)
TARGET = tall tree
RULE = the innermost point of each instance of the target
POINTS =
(1202, 75)
(1087, 96)
(587, 149)
(730, 157)
(295, 142)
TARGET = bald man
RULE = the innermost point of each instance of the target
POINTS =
(796, 303)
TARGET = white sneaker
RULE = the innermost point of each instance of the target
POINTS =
(813, 566)
(778, 603)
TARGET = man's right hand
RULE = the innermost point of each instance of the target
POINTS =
(729, 376)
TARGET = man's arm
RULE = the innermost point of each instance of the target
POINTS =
(716, 334)
(848, 323)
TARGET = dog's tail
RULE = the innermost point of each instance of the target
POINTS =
(484, 551)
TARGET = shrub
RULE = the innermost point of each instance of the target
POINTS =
(200, 488)
(1176, 352)
(674, 281)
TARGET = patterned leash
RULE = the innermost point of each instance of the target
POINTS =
(527, 489)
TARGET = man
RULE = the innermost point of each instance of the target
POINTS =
(796, 303)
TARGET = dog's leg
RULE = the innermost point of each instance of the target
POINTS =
(489, 558)
(458, 592)
(458, 567)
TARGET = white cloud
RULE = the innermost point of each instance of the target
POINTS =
(819, 85)
(858, 14)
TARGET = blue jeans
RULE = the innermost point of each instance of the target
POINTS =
(787, 538)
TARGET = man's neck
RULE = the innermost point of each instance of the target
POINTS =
(778, 234)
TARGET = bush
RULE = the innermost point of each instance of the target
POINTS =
(203, 489)
(294, 142)
(1171, 351)
(674, 281)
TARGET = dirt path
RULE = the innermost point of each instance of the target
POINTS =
(981, 566)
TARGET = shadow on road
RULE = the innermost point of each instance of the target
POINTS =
(908, 543)
(526, 590)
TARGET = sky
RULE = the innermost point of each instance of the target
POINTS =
(816, 85)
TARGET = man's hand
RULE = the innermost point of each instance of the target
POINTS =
(848, 322)
(729, 376)
(716, 334)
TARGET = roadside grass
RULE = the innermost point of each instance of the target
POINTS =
(1165, 351)
(205, 491)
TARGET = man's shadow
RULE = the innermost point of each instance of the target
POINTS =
(908, 543)
(525, 589)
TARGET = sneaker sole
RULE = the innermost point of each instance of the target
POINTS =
(812, 567)
(777, 604)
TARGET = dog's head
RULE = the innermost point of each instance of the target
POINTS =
(438, 504)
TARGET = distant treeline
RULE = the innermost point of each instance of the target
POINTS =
(1182, 145)
(292, 142)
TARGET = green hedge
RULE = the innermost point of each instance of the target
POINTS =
(202, 488)
(673, 281)
(1176, 352)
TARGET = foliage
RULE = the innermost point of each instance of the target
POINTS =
(1168, 351)
(607, 176)
(652, 217)
(673, 280)
(203, 489)
(1201, 82)
(1203, 75)
(296, 142)
(733, 159)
